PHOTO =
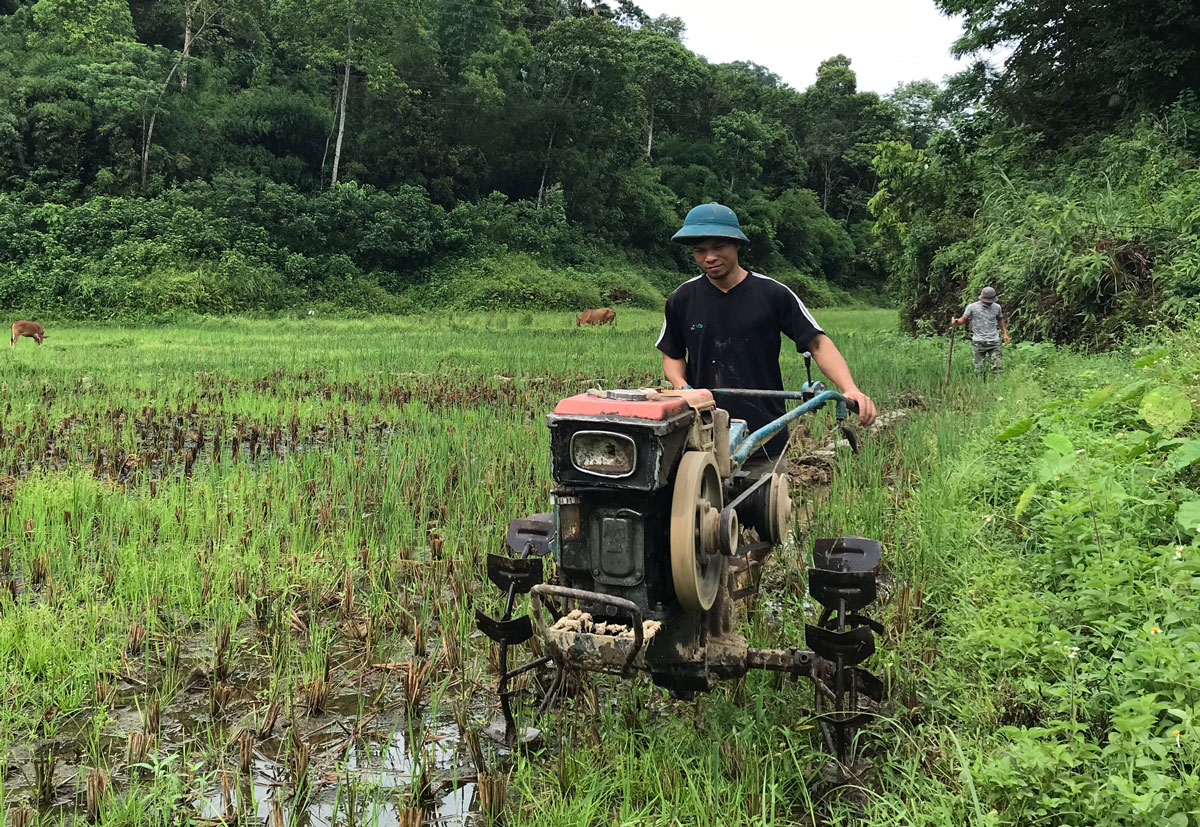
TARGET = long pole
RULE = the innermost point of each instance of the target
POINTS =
(950, 358)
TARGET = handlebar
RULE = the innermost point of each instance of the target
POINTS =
(850, 404)
(810, 402)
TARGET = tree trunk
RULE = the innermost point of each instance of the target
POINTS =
(337, 150)
(153, 117)
(545, 168)
(650, 137)
(188, 7)
(337, 106)
(189, 37)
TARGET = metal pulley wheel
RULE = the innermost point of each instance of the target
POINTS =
(697, 564)
(780, 506)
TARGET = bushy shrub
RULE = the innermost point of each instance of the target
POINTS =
(503, 282)
(246, 244)
(1094, 240)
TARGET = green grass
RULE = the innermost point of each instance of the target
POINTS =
(364, 446)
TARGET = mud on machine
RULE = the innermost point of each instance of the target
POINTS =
(658, 529)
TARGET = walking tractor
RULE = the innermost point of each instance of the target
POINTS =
(658, 529)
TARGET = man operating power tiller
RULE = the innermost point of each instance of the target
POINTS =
(722, 328)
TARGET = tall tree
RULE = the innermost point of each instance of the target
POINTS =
(670, 77)
(1074, 66)
(917, 104)
(92, 26)
(353, 35)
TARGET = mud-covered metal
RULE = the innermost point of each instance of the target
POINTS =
(843, 581)
(649, 566)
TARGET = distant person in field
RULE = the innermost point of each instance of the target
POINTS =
(987, 326)
(722, 328)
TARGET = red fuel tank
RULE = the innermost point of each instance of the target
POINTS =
(644, 403)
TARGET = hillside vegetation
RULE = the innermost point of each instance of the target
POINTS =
(1067, 179)
(218, 156)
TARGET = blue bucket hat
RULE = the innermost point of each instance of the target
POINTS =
(710, 221)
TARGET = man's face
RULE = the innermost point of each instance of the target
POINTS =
(717, 257)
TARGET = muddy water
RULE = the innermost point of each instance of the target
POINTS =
(382, 771)
(364, 769)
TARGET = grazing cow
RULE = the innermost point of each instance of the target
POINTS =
(605, 315)
(32, 330)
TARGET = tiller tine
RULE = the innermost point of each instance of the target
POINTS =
(850, 554)
(536, 531)
(869, 685)
(530, 539)
(852, 646)
(853, 590)
(510, 632)
(842, 580)
(518, 573)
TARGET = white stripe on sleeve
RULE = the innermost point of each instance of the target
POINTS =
(662, 333)
(803, 309)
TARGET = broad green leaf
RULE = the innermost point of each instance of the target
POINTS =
(1015, 430)
(1166, 408)
(1099, 397)
(1188, 516)
(1132, 389)
(1025, 500)
(1058, 442)
(1053, 465)
(1183, 456)
(1150, 358)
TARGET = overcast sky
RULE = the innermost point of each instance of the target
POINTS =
(887, 41)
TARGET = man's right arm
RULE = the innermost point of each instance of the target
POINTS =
(963, 318)
(670, 342)
(676, 371)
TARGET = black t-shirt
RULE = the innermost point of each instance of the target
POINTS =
(731, 340)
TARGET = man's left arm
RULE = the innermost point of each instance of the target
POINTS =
(833, 365)
(1004, 327)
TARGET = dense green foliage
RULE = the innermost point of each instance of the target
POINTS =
(1066, 178)
(230, 155)
(1058, 609)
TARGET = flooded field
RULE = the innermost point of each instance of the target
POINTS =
(239, 561)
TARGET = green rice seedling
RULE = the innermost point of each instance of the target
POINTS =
(43, 775)
(299, 756)
(319, 658)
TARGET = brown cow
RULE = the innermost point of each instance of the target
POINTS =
(32, 330)
(605, 315)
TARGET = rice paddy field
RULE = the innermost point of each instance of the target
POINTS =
(239, 562)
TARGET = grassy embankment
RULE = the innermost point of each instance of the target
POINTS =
(209, 524)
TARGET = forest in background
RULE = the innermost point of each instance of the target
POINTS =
(1067, 177)
(256, 155)
(221, 156)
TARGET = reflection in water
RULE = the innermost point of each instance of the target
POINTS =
(382, 773)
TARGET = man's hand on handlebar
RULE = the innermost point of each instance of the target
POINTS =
(866, 408)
